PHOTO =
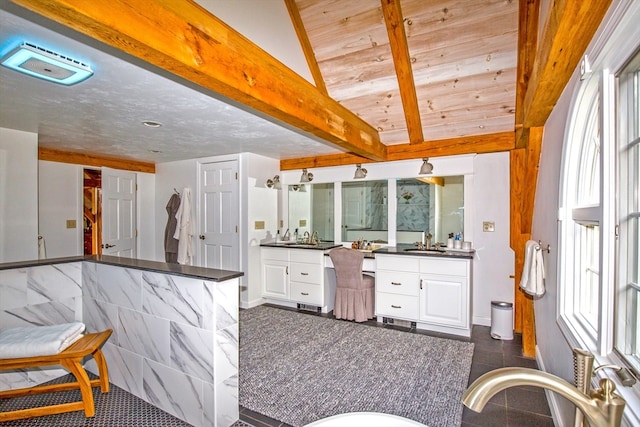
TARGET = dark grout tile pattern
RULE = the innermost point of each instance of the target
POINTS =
(514, 407)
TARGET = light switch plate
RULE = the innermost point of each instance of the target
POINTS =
(259, 225)
(303, 223)
(71, 223)
(488, 226)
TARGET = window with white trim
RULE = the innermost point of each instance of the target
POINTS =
(627, 337)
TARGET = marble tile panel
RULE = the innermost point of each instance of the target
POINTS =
(13, 288)
(99, 316)
(14, 379)
(125, 368)
(192, 351)
(209, 404)
(90, 280)
(174, 392)
(225, 299)
(227, 411)
(226, 353)
(54, 282)
(144, 334)
(50, 313)
(120, 286)
(175, 298)
(208, 306)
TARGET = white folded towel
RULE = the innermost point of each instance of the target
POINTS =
(532, 281)
(28, 341)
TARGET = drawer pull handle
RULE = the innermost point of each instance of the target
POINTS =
(396, 306)
(304, 293)
(304, 274)
(396, 283)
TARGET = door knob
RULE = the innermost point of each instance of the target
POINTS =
(107, 246)
(201, 237)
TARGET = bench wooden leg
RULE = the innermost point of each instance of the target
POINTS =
(103, 371)
(82, 378)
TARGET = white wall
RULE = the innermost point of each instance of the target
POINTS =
(18, 195)
(494, 260)
(261, 205)
(59, 200)
(267, 24)
(146, 225)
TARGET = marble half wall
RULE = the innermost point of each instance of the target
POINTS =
(37, 296)
(174, 342)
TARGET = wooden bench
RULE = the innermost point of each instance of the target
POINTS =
(71, 359)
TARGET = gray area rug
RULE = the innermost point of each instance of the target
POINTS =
(298, 368)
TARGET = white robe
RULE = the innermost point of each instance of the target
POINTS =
(184, 229)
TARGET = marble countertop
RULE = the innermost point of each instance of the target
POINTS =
(322, 246)
(213, 274)
(405, 249)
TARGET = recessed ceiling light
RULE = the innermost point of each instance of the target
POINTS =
(152, 124)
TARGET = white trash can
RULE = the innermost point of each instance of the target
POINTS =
(501, 320)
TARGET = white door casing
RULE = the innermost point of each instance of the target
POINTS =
(118, 213)
(219, 215)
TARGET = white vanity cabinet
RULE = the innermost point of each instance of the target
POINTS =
(275, 273)
(296, 276)
(434, 292)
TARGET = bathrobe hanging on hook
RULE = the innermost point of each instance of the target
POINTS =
(185, 229)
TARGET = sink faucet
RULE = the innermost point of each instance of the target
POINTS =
(602, 408)
(314, 238)
(305, 237)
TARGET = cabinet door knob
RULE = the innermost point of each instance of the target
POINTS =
(420, 283)
(304, 293)
(304, 274)
(396, 306)
(396, 283)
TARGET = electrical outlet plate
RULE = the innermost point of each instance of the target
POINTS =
(259, 225)
(71, 223)
(488, 226)
(302, 223)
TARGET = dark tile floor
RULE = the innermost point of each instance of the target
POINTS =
(514, 407)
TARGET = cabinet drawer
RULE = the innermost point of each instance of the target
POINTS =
(398, 306)
(307, 273)
(307, 293)
(448, 267)
(275, 254)
(398, 282)
(306, 255)
(398, 263)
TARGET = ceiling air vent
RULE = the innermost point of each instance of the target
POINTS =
(39, 62)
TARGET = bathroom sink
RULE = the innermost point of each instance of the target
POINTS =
(426, 251)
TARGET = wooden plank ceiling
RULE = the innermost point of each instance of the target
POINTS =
(460, 58)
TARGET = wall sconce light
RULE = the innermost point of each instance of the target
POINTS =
(274, 183)
(426, 168)
(360, 172)
(299, 187)
(306, 176)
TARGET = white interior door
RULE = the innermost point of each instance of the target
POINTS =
(219, 215)
(118, 213)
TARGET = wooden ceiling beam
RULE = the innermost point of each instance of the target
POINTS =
(305, 43)
(489, 143)
(187, 41)
(529, 12)
(569, 28)
(402, 62)
(85, 159)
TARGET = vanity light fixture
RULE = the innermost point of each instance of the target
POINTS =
(361, 172)
(299, 187)
(426, 168)
(274, 183)
(306, 176)
(44, 64)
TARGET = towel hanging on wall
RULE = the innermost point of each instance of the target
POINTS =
(532, 281)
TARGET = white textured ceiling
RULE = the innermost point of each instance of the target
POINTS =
(103, 115)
